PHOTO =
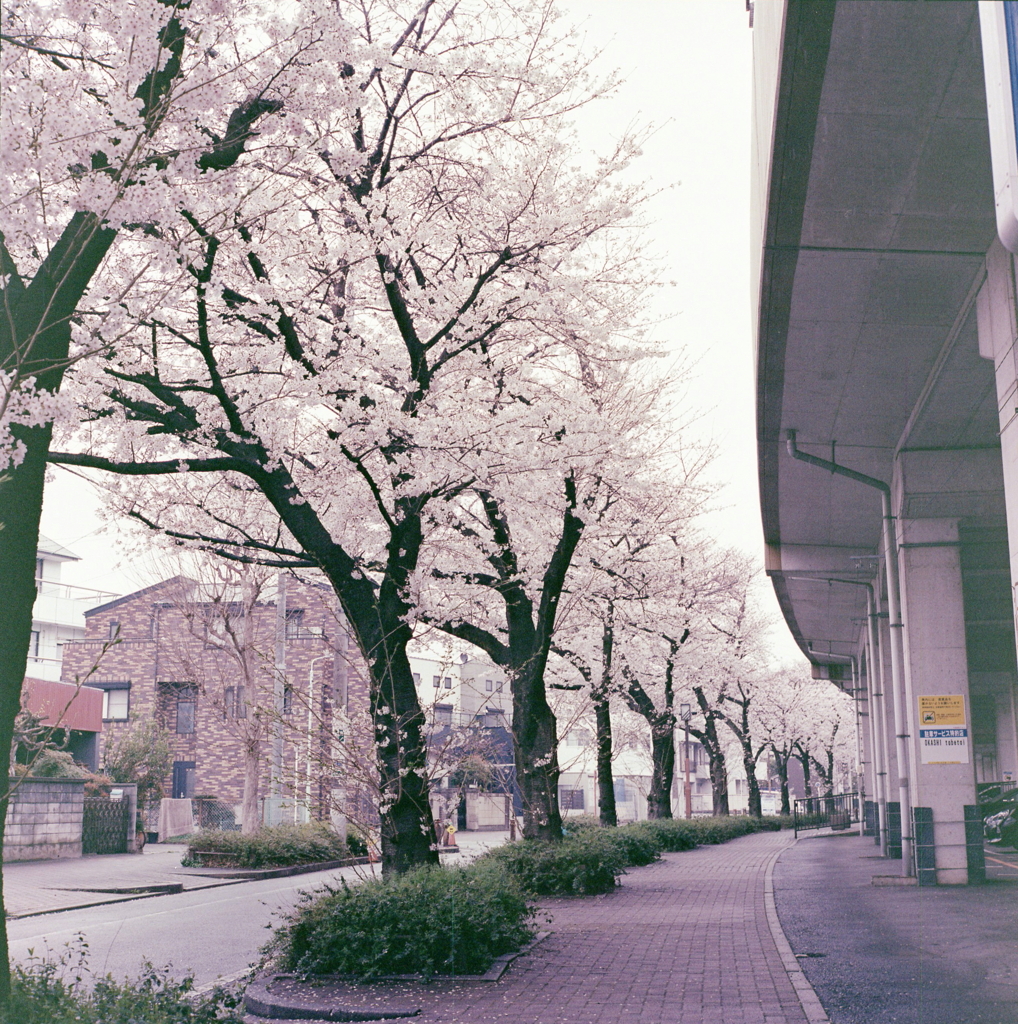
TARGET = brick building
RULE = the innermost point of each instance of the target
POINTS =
(239, 684)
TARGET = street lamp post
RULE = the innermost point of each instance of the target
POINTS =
(684, 713)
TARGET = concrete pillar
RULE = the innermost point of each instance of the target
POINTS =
(936, 666)
(998, 341)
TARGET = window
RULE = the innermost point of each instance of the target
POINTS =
(436, 681)
(294, 623)
(114, 629)
(115, 705)
(33, 647)
(489, 685)
(234, 704)
(621, 794)
(116, 700)
(448, 683)
(570, 799)
(443, 714)
(287, 699)
(417, 678)
(498, 686)
(39, 563)
(187, 702)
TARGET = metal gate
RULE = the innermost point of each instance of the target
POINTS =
(835, 812)
(104, 825)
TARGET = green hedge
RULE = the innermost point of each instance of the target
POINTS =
(53, 992)
(590, 858)
(583, 864)
(276, 846)
(429, 921)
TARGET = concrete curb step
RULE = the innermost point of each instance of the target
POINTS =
(263, 1004)
(284, 872)
(125, 890)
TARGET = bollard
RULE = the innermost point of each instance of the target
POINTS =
(974, 857)
(869, 818)
(925, 852)
(894, 830)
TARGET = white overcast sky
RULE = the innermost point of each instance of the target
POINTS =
(687, 69)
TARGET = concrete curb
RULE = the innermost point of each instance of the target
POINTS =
(811, 1005)
(250, 874)
(259, 1001)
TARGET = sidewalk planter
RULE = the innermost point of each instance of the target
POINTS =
(430, 921)
(44, 819)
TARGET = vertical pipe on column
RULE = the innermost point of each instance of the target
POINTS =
(897, 682)
(897, 650)
(875, 695)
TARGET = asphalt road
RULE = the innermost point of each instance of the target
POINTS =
(898, 955)
(209, 933)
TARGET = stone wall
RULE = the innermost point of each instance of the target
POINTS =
(44, 819)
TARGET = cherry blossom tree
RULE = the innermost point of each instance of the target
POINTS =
(345, 339)
(115, 116)
(781, 722)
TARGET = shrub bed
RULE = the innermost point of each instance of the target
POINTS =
(583, 864)
(430, 921)
(276, 846)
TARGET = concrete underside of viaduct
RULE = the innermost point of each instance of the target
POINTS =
(886, 343)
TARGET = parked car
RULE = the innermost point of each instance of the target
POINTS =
(1000, 815)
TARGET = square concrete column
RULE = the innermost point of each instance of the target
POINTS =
(937, 685)
(998, 340)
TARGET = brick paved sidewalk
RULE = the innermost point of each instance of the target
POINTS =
(683, 941)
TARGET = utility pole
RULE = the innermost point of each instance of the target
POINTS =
(685, 712)
(273, 811)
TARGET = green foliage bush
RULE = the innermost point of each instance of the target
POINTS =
(46, 991)
(584, 864)
(590, 858)
(429, 921)
(276, 846)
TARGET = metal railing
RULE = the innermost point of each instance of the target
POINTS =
(835, 812)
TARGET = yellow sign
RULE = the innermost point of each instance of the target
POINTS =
(942, 709)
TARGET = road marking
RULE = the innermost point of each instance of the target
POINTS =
(1003, 863)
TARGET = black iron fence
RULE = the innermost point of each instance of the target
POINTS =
(105, 825)
(835, 812)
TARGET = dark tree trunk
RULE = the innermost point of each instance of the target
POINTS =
(752, 783)
(605, 776)
(711, 743)
(603, 725)
(719, 784)
(662, 737)
(525, 658)
(781, 764)
(379, 623)
(662, 730)
(807, 773)
(21, 504)
(536, 755)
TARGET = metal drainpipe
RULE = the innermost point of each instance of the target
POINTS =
(875, 699)
(878, 716)
(894, 618)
